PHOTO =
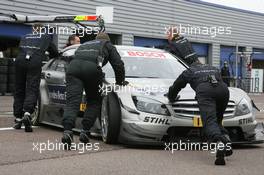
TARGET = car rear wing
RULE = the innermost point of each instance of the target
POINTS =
(47, 19)
(105, 12)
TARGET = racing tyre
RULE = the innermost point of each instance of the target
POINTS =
(35, 114)
(3, 78)
(110, 119)
(3, 61)
(11, 88)
(3, 69)
(12, 70)
(3, 88)
(11, 79)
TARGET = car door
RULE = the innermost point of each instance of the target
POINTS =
(55, 82)
(54, 76)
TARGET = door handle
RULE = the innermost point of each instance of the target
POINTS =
(48, 75)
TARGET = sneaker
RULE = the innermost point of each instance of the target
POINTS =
(27, 122)
(84, 136)
(67, 139)
(220, 156)
(18, 123)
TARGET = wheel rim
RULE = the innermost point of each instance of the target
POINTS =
(35, 114)
(104, 120)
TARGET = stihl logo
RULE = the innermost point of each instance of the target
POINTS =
(156, 120)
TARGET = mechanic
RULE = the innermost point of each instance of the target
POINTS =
(72, 40)
(180, 46)
(225, 73)
(85, 72)
(212, 96)
(28, 63)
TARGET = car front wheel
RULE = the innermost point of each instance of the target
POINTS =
(110, 119)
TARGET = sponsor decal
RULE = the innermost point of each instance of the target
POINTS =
(85, 18)
(245, 121)
(146, 54)
(197, 121)
(57, 94)
(156, 120)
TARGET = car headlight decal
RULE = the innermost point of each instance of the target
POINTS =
(149, 105)
(128, 108)
(242, 108)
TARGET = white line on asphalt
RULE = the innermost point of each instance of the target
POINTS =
(6, 113)
(11, 128)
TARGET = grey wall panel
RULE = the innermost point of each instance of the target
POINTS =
(127, 39)
(215, 55)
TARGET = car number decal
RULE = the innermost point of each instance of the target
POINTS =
(197, 121)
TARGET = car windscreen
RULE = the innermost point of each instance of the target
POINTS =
(142, 64)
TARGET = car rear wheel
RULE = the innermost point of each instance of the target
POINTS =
(35, 114)
(110, 119)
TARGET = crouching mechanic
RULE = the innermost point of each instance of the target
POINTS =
(28, 64)
(84, 72)
(212, 95)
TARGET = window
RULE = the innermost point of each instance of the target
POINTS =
(53, 65)
(57, 65)
(61, 66)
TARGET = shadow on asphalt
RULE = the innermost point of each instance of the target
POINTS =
(248, 146)
(151, 147)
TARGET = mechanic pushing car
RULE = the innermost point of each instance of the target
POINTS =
(212, 96)
(179, 45)
(85, 72)
(28, 70)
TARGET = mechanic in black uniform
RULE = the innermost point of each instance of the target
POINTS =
(28, 64)
(212, 96)
(85, 72)
(180, 46)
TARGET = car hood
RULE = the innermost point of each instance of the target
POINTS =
(156, 88)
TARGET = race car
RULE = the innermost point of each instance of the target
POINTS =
(140, 113)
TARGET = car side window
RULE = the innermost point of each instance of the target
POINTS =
(61, 66)
(53, 65)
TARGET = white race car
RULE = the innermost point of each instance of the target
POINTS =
(140, 113)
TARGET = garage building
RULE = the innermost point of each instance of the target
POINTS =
(144, 22)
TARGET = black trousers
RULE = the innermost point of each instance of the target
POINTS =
(226, 81)
(82, 75)
(212, 101)
(26, 87)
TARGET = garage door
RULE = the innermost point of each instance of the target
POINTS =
(259, 55)
(14, 30)
(149, 42)
(227, 54)
(201, 50)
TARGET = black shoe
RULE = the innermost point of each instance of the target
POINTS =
(220, 156)
(18, 123)
(27, 122)
(67, 139)
(84, 136)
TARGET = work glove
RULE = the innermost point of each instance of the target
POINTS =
(172, 100)
(124, 83)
